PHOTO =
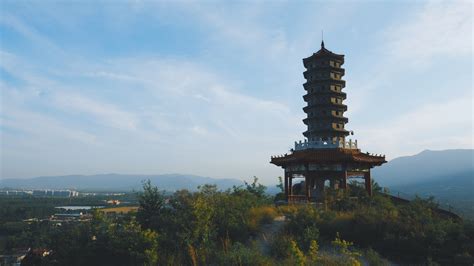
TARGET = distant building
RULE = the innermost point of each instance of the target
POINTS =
(113, 202)
(59, 218)
(325, 157)
(9, 192)
(55, 193)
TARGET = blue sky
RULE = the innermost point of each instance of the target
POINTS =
(215, 89)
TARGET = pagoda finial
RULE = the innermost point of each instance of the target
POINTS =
(322, 39)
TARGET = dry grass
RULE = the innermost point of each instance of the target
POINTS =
(261, 215)
(288, 210)
(125, 209)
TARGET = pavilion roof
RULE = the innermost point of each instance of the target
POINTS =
(336, 155)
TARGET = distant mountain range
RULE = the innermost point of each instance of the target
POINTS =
(117, 182)
(426, 166)
(447, 175)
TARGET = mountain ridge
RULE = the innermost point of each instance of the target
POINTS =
(424, 166)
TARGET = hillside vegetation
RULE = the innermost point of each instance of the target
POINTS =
(212, 227)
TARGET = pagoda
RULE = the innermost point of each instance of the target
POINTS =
(325, 158)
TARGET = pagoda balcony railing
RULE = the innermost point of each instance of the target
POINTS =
(325, 144)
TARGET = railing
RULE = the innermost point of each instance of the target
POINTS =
(297, 198)
(323, 144)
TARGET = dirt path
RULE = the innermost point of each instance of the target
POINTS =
(269, 231)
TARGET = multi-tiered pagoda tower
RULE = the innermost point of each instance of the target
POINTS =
(324, 97)
(325, 154)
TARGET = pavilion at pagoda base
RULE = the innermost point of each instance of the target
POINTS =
(323, 168)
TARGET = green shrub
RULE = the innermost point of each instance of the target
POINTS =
(239, 254)
(374, 259)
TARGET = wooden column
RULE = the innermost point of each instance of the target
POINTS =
(344, 180)
(286, 185)
(320, 186)
(290, 185)
(368, 183)
(306, 186)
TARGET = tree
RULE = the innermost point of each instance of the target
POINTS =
(297, 254)
(280, 184)
(313, 250)
(256, 188)
(151, 202)
(375, 186)
(343, 247)
(103, 242)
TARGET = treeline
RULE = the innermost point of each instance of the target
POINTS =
(17, 208)
(212, 227)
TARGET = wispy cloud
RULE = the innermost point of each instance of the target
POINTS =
(440, 29)
(40, 130)
(441, 125)
(174, 103)
(105, 113)
(410, 83)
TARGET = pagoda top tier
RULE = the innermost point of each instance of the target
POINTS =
(323, 52)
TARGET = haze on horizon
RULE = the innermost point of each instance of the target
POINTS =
(215, 89)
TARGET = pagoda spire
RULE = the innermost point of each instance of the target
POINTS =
(322, 39)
